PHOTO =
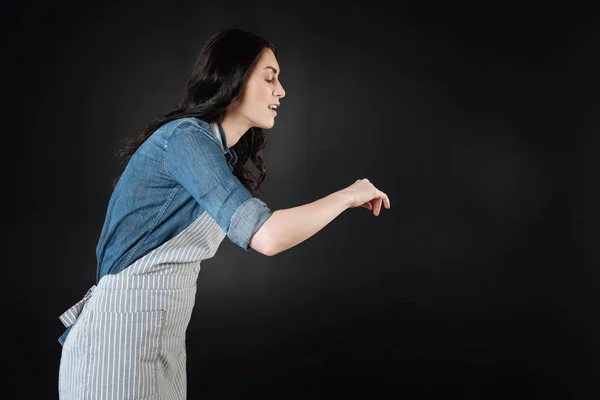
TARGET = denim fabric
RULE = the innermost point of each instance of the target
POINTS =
(179, 172)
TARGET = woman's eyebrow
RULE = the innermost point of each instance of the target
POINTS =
(274, 69)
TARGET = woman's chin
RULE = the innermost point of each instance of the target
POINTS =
(268, 124)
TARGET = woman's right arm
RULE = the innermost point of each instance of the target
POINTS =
(289, 227)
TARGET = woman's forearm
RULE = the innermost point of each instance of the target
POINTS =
(288, 227)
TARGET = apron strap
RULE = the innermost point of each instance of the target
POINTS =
(217, 133)
(69, 317)
(230, 154)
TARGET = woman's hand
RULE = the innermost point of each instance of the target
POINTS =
(362, 193)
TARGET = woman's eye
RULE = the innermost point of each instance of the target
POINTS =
(270, 80)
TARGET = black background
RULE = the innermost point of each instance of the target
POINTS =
(480, 121)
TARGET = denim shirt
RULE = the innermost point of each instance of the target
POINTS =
(179, 172)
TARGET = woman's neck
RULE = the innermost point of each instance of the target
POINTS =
(234, 128)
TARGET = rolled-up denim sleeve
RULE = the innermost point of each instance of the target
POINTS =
(193, 158)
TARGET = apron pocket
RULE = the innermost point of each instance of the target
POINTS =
(123, 351)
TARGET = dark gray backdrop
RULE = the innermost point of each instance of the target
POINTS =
(480, 122)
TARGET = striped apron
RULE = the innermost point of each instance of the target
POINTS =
(126, 337)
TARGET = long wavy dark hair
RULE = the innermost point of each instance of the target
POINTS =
(217, 79)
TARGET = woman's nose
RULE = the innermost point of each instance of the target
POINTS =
(281, 91)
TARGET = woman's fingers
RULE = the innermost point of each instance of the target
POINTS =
(377, 206)
(378, 201)
(384, 197)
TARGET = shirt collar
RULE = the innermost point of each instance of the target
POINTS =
(223, 139)
(230, 154)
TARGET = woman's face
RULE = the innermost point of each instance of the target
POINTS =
(262, 90)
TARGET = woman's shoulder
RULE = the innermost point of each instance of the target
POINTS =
(186, 124)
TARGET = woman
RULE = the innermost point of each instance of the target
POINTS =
(184, 188)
